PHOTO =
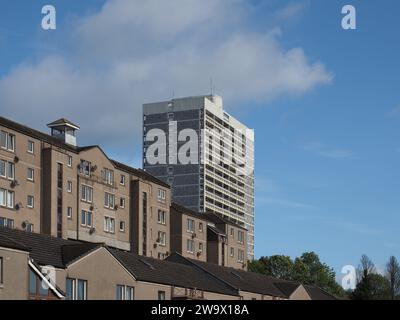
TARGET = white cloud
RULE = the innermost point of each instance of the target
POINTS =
(134, 51)
(324, 151)
(292, 10)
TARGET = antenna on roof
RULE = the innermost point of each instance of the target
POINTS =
(211, 86)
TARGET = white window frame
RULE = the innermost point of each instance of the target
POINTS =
(32, 177)
(161, 196)
(69, 161)
(32, 199)
(109, 200)
(10, 171)
(109, 225)
(122, 223)
(30, 143)
(9, 140)
(190, 248)
(161, 217)
(190, 222)
(86, 214)
(122, 180)
(162, 238)
(3, 164)
(87, 194)
(10, 200)
(69, 186)
(122, 202)
(69, 212)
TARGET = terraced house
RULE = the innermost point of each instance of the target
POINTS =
(25, 258)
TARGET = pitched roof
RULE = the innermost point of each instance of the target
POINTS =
(59, 143)
(181, 209)
(317, 293)
(61, 122)
(36, 134)
(44, 249)
(170, 273)
(140, 173)
(287, 287)
(217, 219)
(6, 242)
(239, 279)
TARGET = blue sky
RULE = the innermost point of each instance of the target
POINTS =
(324, 102)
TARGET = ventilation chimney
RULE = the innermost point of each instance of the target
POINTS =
(64, 130)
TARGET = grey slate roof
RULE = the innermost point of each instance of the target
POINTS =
(44, 249)
(317, 293)
(239, 279)
(171, 273)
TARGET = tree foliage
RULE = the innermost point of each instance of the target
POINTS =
(306, 269)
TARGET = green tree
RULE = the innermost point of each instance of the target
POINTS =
(393, 276)
(306, 269)
(372, 286)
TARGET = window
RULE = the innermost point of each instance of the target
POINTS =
(31, 174)
(87, 194)
(70, 289)
(122, 226)
(69, 186)
(125, 293)
(69, 161)
(7, 198)
(190, 246)
(31, 146)
(109, 200)
(170, 170)
(240, 255)
(7, 141)
(109, 224)
(7, 170)
(108, 176)
(32, 283)
(161, 295)
(10, 199)
(232, 252)
(76, 289)
(122, 203)
(240, 236)
(232, 232)
(3, 173)
(190, 225)
(122, 180)
(82, 290)
(29, 227)
(3, 197)
(1, 270)
(85, 168)
(162, 238)
(7, 223)
(10, 171)
(161, 216)
(69, 212)
(161, 195)
(201, 226)
(86, 218)
(30, 202)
